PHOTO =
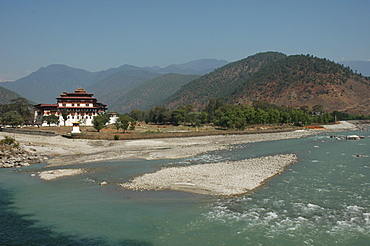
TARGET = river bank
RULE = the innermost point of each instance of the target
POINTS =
(62, 151)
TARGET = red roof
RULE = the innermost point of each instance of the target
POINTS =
(84, 98)
(46, 105)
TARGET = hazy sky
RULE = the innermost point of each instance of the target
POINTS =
(97, 35)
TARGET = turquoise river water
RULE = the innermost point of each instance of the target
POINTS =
(323, 199)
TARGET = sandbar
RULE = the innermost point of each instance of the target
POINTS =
(219, 179)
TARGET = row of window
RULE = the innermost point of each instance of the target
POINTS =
(78, 117)
(77, 104)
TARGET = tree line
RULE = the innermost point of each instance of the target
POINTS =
(18, 112)
(217, 112)
(230, 116)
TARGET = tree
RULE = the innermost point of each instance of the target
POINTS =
(117, 125)
(51, 119)
(178, 116)
(99, 121)
(212, 106)
(136, 114)
(194, 118)
(65, 114)
(318, 109)
(159, 115)
(13, 118)
(126, 121)
(23, 107)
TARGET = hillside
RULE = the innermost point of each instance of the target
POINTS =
(114, 86)
(296, 80)
(151, 93)
(305, 80)
(222, 82)
(7, 95)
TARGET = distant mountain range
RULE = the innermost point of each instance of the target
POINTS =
(297, 80)
(49, 82)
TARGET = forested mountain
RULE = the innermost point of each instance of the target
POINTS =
(118, 84)
(7, 95)
(300, 80)
(151, 93)
(222, 82)
(296, 80)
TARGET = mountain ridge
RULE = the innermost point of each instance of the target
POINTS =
(297, 80)
(45, 84)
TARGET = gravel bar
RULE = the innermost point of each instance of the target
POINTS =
(219, 179)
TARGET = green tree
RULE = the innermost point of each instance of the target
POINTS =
(23, 107)
(318, 109)
(273, 116)
(126, 122)
(65, 114)
(178, 116)
(305, 109)
(12, 118)
(51, 119)
(136, 114)
(100, 121)
(212, 106)
(159, 115)
(194, 118)
(117, 125)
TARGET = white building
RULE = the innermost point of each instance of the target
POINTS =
(80, 106)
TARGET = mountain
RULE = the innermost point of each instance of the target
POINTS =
(301, 80)
(298, 80)
(114, 86)
(49, 82)
(362, 67)
(7, 95)
(222, 82)
(151, 93)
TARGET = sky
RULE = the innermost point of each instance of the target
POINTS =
(97, 35)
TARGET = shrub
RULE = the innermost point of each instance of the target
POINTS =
(9, 141)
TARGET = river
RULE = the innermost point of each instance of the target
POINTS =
(323, 199)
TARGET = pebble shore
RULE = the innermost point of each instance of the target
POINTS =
(63, 151)
(219, 179)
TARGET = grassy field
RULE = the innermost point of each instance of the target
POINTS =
(145, 131)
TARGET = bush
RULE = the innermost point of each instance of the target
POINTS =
(9, 141)
(116, 137)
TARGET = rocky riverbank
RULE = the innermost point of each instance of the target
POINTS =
(16, 156)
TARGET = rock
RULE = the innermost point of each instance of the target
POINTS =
(353, 137)
(17, 157)
(104, 183)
